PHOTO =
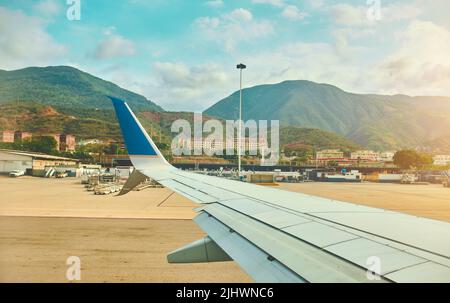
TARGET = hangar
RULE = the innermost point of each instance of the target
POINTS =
(30, 162)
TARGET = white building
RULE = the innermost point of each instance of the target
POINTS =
(365, 155)
(211, 145)
(30, 162)
(387, 156)
(441, 160)
(90, 141)
(329, 154)
(370, 155)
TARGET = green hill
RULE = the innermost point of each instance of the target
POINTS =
(102, 124)
(441, 144)
(301, 138)
(44, 119)
(65, 87)
(83, 123)
(376, 121)
(64, 99)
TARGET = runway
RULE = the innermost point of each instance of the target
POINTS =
(126, 239)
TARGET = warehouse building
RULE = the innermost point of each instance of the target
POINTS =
(32, 163)
(7, 136)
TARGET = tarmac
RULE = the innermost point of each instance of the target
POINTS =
(126, 239)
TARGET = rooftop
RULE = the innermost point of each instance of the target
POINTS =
(36, 155)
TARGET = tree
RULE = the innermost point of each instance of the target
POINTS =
(332, 163)
(301, 160)
(407, 158)
(426, 160)
(41, 144)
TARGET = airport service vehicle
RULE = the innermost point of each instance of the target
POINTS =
(102, 189)
(281, 236)
(352, 176)
(446, 178)
(408, 179)
(16, 173)
(390, 178)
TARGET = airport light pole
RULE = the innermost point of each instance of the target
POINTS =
(240, 66)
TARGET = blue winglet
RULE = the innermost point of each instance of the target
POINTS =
(136, 139)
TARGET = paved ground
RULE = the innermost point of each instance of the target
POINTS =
(431, 201)
(127, 238)
(44, 221)
(110, 250)
(28, 196)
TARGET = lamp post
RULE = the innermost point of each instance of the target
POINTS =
(240, 66)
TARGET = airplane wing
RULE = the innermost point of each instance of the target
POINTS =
(280, 236)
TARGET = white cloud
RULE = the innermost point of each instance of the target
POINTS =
(207, 22)
(240, 14)
(24, 41)
(400, 11)
(352, 23)
(350, 15)
(178, 83)
(346, 14)
(215, 3)
(292, 12)
(277, 3)
(232, 28)
(48, 8)
(315, 4)
(289, 11)
(298, 60)
(420, 65)
(417, 64)
(109, 31)
(114, 46)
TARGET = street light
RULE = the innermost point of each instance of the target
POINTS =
(240, 66)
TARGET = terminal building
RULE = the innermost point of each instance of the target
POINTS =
(441, 160)
(31, 163)
(65, 142)
(330, 155)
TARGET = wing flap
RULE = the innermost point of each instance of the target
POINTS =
(253, 260)
(199, 197)
(308, 261)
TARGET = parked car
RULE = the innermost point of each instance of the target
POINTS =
(61, 175)
(16, 173)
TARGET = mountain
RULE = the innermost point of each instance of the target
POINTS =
(377, 121)
(83, 123)
(441, 144)
(65, 87)
(65, 99)
(302, 138)
(101, 124)
(44, 119)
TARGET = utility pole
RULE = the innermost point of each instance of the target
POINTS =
(240, 66)
(315, 151)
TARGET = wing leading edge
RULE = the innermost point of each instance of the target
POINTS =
(279, 236)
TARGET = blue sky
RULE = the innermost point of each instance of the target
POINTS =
(182, 54)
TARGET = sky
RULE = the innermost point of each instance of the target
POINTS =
(182, 54)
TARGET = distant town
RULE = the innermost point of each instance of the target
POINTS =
(107, 152)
